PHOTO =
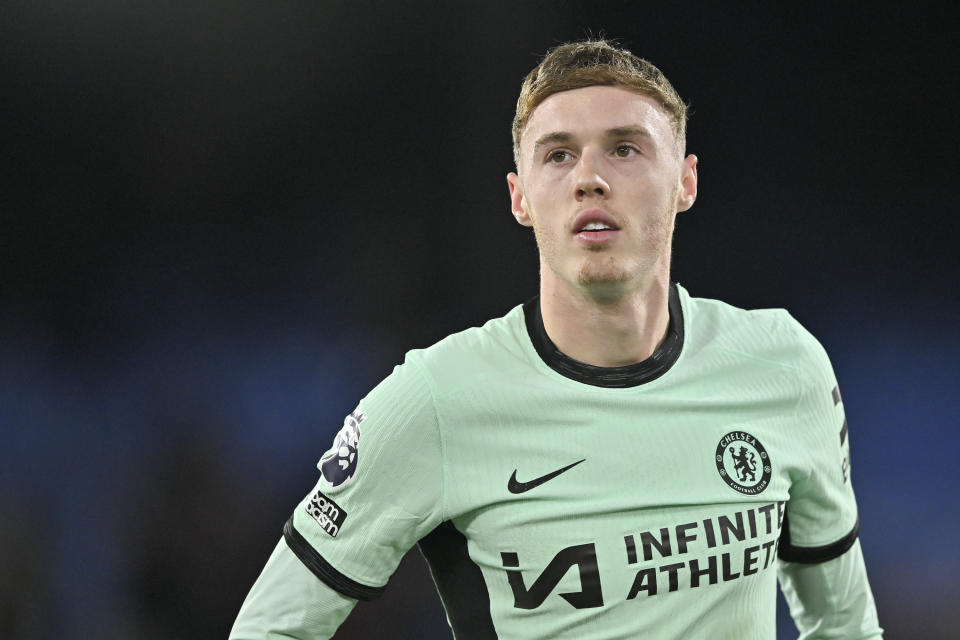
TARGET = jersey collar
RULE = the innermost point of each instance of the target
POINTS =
(630, 375)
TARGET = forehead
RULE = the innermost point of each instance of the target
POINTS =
(594, 110)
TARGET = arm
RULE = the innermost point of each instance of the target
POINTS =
(288, 601)
(379, 492)
(831, 599)
(821, 570)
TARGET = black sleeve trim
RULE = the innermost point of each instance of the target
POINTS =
(812, 555)
(324, 570)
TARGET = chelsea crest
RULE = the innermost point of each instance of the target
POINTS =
(743, 463)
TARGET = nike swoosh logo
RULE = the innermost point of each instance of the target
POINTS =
(519, 487)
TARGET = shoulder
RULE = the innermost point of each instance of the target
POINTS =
(467, 356)
(768, 334)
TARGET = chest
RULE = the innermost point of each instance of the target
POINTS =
(616, 458)
(619, 497)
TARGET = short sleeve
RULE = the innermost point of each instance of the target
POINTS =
(821, 515)
(380, 488)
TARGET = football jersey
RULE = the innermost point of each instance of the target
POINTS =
(555, 499)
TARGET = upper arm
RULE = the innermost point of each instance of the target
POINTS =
(379, 491)
(821, 520)
(821, 569)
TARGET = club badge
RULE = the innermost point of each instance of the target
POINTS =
(743, 463)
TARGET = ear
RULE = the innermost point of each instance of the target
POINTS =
(688, 183)
(518, 204)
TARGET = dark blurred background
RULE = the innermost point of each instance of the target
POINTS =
(223, 223)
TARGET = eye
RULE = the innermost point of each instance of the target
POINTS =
(625, 151)
(556, 157)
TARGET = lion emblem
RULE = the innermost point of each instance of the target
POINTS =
(340, 463)
(745, 464)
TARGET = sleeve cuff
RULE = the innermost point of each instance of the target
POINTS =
(324, 570)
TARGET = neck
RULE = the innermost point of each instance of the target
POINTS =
(607, 330)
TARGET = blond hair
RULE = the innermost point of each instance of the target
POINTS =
(588, 63)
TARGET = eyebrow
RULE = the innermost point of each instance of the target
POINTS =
(564, 137)
(627, 132)
(554, 137)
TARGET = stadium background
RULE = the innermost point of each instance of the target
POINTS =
(222, 223)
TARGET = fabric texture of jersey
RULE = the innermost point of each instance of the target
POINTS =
(567, 509)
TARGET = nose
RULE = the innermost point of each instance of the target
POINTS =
(588, 181)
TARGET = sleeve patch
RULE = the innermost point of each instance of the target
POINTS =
(328, 514)
(340, 463)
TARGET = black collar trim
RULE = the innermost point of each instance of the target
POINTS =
(630, 375)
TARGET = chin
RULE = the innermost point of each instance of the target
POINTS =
(607, 282)
(603, 271)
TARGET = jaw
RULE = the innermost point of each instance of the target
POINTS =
(599, 277)
(603, 277)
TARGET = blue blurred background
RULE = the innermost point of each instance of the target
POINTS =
(223, 223)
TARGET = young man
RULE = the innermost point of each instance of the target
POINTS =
(612, 459)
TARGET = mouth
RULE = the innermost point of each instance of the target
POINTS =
(595, 227)
(597, 236)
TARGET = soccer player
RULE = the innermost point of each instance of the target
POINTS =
(615, 458)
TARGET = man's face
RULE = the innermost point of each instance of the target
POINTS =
(601, 180)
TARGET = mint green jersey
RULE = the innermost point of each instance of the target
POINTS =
(553, 499)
